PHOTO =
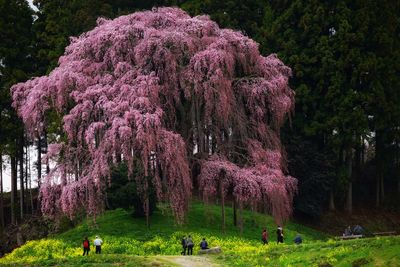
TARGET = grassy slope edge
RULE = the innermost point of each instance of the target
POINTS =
(128, 242)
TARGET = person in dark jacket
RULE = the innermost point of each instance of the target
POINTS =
(279, 235)
(298, 240)
(184, 245)
(358, 230)
(86, 246)
(203, 244)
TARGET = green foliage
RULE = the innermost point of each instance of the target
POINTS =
(246, 16)
(15, 56)
(97, 260)
(57, 21)
(315, 174)
(124, 237)
(341, 54)
(372, 251)
(123, 192)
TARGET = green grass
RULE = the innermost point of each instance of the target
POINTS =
(94, 260)
(382, 251)
(128, 242)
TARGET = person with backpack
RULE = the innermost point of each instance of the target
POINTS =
(97, 242)
(203, 244)
(184, 245)
(264, 236)
(86, 246)
(358, 230)
(190, 245)
(279, 234)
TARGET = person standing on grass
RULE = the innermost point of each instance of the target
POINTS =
(86, 247)
(97, 242)
(264, 236)
(190, 245)
(279, 235)
(184, 245)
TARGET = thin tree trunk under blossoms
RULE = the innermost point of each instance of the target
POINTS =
(234, 213)
(1, 193)
(21, 176)
(39, 161)
(222, 207)
(13, 190)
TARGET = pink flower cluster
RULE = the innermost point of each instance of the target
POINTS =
(252, 185)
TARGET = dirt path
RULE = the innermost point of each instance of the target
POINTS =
(190, 261)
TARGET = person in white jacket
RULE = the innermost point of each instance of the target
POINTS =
(97, 243)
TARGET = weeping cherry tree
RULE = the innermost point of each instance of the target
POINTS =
(161, 91)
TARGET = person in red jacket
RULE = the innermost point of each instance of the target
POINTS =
(264, 236)
(86, 247)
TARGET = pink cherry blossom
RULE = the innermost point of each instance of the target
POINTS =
(155, 87)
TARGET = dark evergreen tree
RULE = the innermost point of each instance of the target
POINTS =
(15, 66)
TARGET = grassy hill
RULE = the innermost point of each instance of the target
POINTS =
(127, 242)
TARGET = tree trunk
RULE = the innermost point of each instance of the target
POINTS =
(76, 171)
(398, 186)
(26, 180)
(379, 159)
(241, 218)
(331, 201)
(234, 213)
(47, 150)
(200, 130)
(147, 210)
(398, 165)
(206, 143)
(357, 161)
(21, 177)
(397, 162)
(377, 194)
(30, 189)
(106, 200)
(39, 162)
(13, 189)
(118, 157)
(222, 207)
(213, 144)
(382, 188)
(363, 159)
(349, 165)
(1, 193)
(349, 201)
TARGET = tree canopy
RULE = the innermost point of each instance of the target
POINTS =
(159, 87)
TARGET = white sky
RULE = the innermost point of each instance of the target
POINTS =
(32, 171)
(31, 4)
